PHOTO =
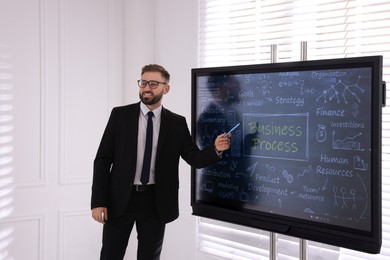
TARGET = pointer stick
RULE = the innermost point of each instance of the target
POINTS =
(232, 129)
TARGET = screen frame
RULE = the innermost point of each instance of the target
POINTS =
(364, 241)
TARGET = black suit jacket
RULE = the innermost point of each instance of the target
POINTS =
(116, 158)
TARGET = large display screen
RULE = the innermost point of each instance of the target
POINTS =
(305, 159)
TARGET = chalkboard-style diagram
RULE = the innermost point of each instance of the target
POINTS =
(321, 133)
(341, 92)
(348, 143)
(359, 163)
(305, 157)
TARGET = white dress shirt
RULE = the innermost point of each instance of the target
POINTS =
(142, 124)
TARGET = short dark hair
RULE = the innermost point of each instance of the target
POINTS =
(156, 68)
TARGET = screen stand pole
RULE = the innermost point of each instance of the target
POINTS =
(303, 249)
(274, 53)
(303, 254)
(273, 252)
(303, 51)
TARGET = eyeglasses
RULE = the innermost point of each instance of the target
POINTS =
(152, 83)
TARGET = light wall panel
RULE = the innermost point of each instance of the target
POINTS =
(21, 90)
(21, 237)
(73, 244)
(84, 85)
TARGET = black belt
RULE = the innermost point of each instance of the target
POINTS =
(143, 187)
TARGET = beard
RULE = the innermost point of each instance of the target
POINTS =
(151, 100)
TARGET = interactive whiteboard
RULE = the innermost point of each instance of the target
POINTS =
(306, 158)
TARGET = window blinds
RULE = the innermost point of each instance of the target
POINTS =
(237, 32)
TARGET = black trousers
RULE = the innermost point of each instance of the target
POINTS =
(150, 230)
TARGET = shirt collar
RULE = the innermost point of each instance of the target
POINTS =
(145, 110)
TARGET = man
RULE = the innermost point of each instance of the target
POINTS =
(132, 185)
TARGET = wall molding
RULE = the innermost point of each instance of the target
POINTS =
(39, 218)
(64, 176)
(41, 180)
(63, 216)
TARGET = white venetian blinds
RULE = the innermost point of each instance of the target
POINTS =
(237, 32)
(241, 31)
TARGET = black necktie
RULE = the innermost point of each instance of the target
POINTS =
(148, 150)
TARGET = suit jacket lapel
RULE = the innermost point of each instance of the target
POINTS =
(133, 132)
(165, 121)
